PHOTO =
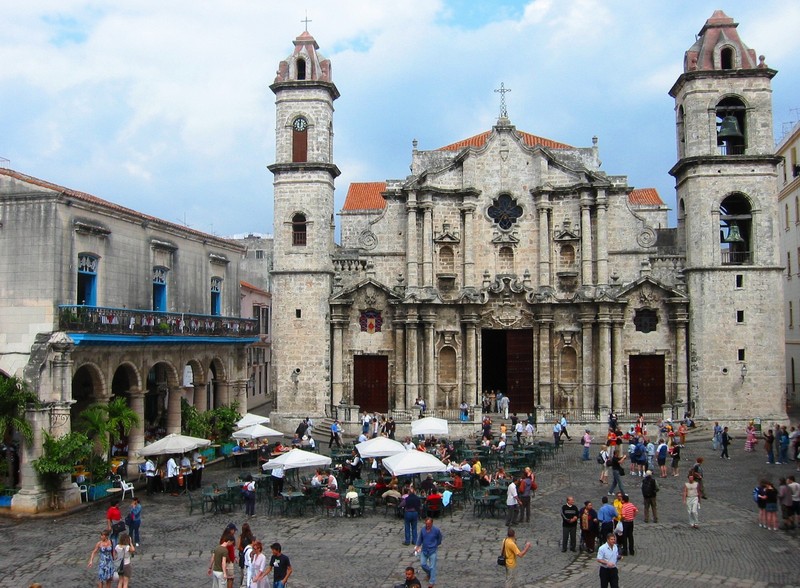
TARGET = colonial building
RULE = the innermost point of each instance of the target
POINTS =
(98, 301)
(789, 209)
(511, 262)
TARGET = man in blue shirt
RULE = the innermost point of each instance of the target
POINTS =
(606, 516)
(607, 557)
(429, 540)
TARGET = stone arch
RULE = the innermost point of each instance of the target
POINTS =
(162, 378)
(126, 374)
(88, 386)
(736, 232)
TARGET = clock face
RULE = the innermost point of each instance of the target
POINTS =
(300, 124)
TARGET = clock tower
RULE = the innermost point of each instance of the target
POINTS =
(302, 272)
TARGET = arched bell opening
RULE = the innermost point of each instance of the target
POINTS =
(736, 230)
(731, 126)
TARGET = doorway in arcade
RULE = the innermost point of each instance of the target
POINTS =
(507, 366)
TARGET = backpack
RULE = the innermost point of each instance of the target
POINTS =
(756, 492)
(662, 452)
(649, 487)
(600, 459)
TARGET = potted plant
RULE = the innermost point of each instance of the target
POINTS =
(15, 397)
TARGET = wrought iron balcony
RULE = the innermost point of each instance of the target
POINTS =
(124, 321)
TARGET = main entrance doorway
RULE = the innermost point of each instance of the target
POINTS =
(647, 383)
(507, 366)
(371, 382)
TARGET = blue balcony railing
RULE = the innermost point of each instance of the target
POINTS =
(121, 321)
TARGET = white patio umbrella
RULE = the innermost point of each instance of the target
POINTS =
(297, 458)
(256, 432)
(379, 447)
(173, 443)
(251, 419)
(429, 426)
(413, 462)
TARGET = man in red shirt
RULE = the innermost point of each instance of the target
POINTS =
(628, 513)
(113, 515)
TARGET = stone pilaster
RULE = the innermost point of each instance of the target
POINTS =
(617, 371)
(32, 497)
(398, 324)
(427, 244)
(470, 394)
(544, 208)
(174, 410)
(586, 240)
(412, 250)
(604, 362)
(200, 397)
(587, 347)
(545, 358)
(468, 212)
(412, 362)
(602, 239)
(339, 324)
(429, 359)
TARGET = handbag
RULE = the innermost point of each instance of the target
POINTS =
(501, 559)
(618, 530)
(118, 527)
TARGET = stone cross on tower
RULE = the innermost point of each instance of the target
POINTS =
(503, 91)
(306, 20)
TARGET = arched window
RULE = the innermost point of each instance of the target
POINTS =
(735, 230)
(160, 289)
(301, 69)
(731, 127)
(299, 230)
(505, 261)
(446, 260)
(87, 279)
(681, 132)
(300, 140)
(726, 58)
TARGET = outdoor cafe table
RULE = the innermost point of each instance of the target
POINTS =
(294, 501)
(484, 503)
(215, 495)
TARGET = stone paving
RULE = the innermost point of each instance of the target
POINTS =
(729, 548)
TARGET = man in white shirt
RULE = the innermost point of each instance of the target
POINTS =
(277, 481)
(172, 476)
(150, 474)
(332, 483)
(607, 557)
(199, 465)
(512, 503)
(529, 431)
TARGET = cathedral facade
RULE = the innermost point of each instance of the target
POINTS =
(511, 262)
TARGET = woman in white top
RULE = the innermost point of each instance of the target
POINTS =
(258, 567)
(604, 455)
(691, 498)
(122, 555)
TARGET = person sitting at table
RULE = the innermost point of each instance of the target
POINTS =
(351, 501)
(239, 447)
(485, 479)
(427, 485)
(499, 475)
(421, 446)
(456, 484)
(380, 486)
(442, 453)
(362, 438)
(279, 448)
(501, 445)
(477, 468)
(308, 442)
(317, 479)
(409, 444)
(392, 492)
(332, 483)
(352, 468)
(434, 502)
(296, 440)
(466, 466)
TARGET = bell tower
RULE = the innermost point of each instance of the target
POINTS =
(728, 216)
(302, 272)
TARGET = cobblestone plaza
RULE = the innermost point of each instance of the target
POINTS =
(728, 549)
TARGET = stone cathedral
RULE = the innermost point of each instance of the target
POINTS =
(511, 262)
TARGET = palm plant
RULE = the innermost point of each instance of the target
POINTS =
(121, 418)
(15, 396)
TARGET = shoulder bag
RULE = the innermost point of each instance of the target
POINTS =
(501, 559)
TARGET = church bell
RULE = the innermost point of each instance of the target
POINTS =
(729, 128)
(733, 235)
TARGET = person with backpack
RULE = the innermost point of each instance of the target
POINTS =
(587, 443)
(525, 490)
(649, 493)
(661, 457)
(604, 459)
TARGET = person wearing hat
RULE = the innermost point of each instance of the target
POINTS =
(649, 493)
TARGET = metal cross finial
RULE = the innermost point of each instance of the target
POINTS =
(306, 20)
(503, 91)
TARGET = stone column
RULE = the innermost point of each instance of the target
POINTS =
(544, 207)
(427, 245)
(412, 362)
(470, 394)
(587, 345)
(618, 372)
(223, 393)
(680, 320)
(586, 240)
(468, 245)
(337, 382)
(412, 250)
(238, 389)
(604, 361)
(32, 497)
(429, 360)
(174, 410)
(136, 436)
(545, 345)
(602, 239)
(398, 324)
(200, 397)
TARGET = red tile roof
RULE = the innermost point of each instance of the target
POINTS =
(365, 196)
(646, 197)
(252, 288)
(109, 205)
(527, 138)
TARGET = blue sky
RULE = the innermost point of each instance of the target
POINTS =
(165, 107)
